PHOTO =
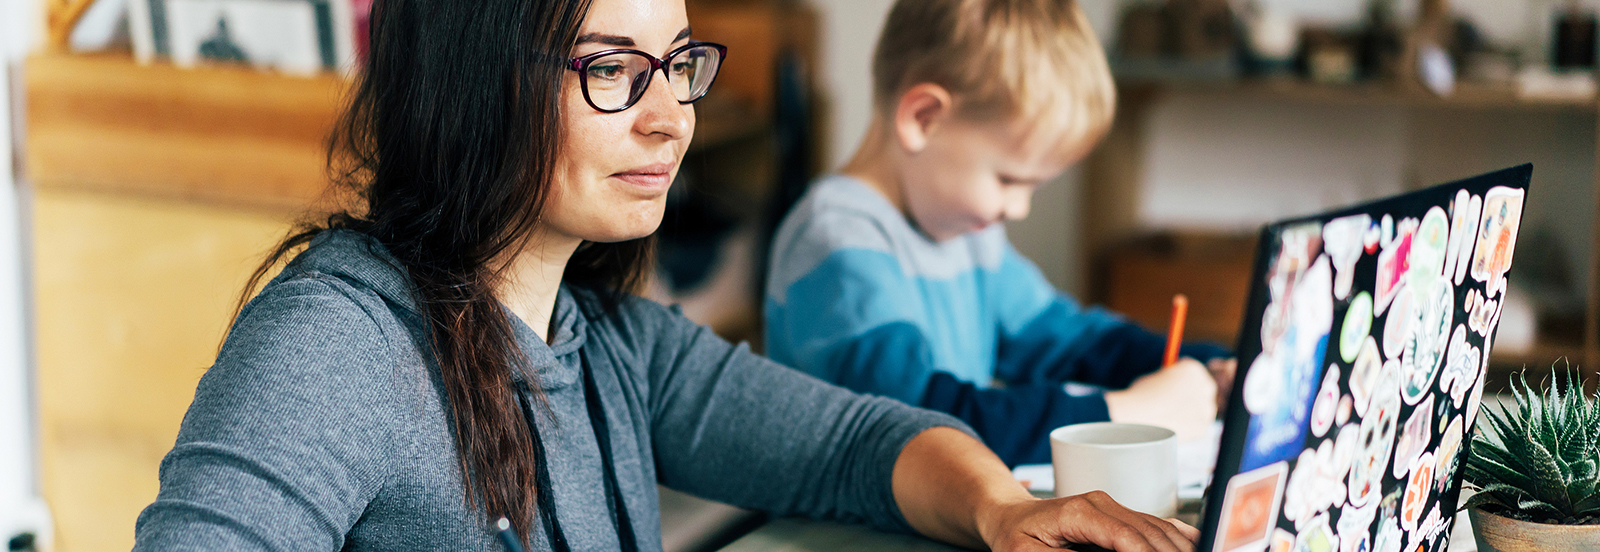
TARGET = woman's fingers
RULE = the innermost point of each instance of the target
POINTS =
(1089, 519)
(1130, 530)
(1188, 531)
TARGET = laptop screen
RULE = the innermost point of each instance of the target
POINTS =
(1361, 364)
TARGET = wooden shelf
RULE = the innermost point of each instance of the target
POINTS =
(1541, 356)
(1466, 95)
(234, 136)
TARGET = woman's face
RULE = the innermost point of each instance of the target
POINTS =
(613, 170)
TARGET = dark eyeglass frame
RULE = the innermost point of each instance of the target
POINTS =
(581, 65)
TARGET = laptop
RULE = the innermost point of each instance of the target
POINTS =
(1362, 361)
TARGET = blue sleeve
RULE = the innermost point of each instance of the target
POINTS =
(826, 313)
(1015, 421)
(1116, 356)
(1046, 336)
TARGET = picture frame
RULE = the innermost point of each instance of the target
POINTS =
(298, 37)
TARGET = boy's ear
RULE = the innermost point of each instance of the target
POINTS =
(921, 110)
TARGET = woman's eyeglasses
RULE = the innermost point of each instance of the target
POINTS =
(614, 80)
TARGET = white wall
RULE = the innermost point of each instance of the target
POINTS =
(1223, 163)
(849, 33)
(1229, 164)
(20, 506)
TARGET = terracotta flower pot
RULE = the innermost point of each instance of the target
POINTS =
(1502, 534)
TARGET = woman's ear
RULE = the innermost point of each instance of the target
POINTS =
(921, 110)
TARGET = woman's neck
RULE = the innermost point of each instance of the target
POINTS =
(532, 279)
(876, 163)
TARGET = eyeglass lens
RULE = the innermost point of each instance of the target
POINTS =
(618, 80)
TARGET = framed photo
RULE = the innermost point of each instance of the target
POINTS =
(299, 37)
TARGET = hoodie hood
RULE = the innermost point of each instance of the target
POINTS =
(366, 264)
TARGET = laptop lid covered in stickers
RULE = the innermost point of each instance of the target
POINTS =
(1361, 364)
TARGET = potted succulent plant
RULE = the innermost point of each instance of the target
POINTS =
(1535, 465)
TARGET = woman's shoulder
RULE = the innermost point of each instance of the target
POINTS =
(635, 324)
(326, 316)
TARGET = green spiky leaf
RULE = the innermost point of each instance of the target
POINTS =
(1539, 457)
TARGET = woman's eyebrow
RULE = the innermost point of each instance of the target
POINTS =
(621, 41)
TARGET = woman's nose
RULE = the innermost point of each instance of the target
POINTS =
(660, 113)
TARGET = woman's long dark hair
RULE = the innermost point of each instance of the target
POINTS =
(447, 147)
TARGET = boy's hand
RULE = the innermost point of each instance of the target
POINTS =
(1181, 397)
(1092, 518)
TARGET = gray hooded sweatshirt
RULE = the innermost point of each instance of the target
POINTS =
(322, 426)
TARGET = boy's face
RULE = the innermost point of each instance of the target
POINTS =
(970, 175)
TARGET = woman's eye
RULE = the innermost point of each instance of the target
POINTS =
(682, 68)
(606, 71)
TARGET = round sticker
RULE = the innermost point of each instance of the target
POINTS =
(1345, 444)
(1357, 326)
(1446, 459)
(1418, 487)
(1414, 438)
(1374, 442)
(1460, 367)
(1326, 406)
(1428, 249)
(1262, 384)
(1364, 375)
(1397, 325)
(1424, 351)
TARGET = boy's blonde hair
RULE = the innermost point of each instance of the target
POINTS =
(1033, 60)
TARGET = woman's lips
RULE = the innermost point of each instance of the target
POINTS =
(655, 177)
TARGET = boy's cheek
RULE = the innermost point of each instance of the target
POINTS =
(1019, 203)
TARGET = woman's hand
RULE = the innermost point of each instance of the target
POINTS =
(951, 488)
(1092, 518)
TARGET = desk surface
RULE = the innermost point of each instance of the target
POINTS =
(804, 535)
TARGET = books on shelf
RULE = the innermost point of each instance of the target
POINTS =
(300, 37)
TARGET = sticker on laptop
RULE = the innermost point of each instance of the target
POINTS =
(1414, 439)
(1430, 333)
(1392, 267)
(1357, 327)
(1461, 367)
(1464, 212)
(1326, 407)
(1343, 240)
(1251, 508)
(1497, 237)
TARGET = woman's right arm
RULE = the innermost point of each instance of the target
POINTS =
(285, 441)
(734, 427)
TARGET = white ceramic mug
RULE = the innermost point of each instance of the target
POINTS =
(1134, 463)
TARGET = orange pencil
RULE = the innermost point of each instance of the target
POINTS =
(1180, 310)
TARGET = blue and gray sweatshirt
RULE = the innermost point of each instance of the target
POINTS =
(858, 296)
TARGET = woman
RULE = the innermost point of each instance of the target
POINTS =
(463, 346)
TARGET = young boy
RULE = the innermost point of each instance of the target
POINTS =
(895, 277)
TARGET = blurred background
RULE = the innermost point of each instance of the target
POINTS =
(157, 148)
